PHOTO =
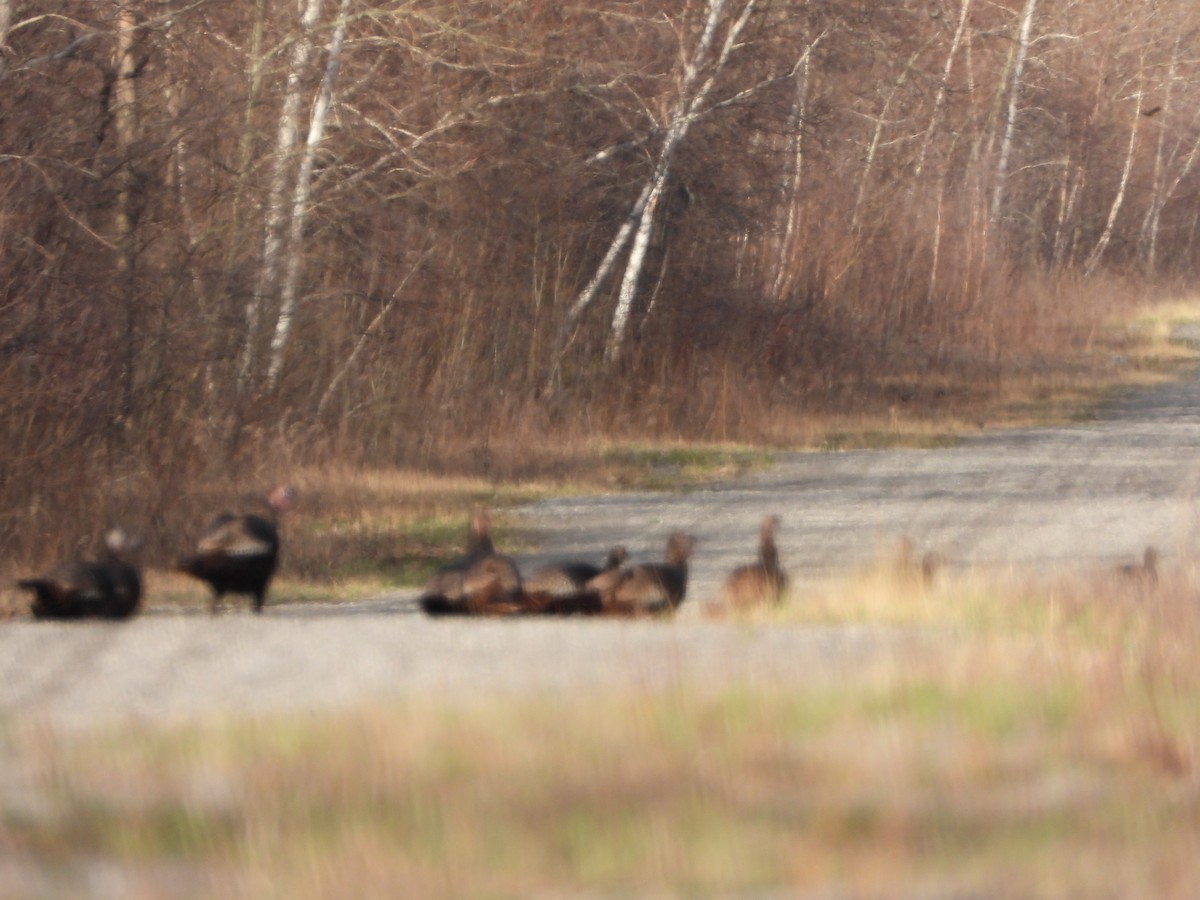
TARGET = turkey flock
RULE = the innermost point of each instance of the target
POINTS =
(238, 554)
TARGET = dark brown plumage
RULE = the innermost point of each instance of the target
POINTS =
(109, 589)
(760, 582)
(492, 586)
(570, 588)
(908, 569)
(237, 554)
(649, 588)
(483, 582)
(1146, 572)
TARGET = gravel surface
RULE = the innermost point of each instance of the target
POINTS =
(1077, 497)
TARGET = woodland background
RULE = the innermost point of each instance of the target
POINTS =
(239, 235)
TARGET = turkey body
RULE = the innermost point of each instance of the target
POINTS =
(571, 588)
(239, 554)
(760, 582)
(108, 589)
(648, 588)
(482, 582)
(236, 555)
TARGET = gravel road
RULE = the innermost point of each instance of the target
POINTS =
(1077, 496)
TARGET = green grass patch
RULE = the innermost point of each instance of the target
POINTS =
(680, 466)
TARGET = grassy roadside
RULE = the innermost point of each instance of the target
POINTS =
(360, 532)
(363, 531)
(1047, 749)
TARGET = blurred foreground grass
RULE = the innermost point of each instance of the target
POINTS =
(1046, 749)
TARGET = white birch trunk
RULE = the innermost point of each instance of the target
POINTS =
(633, 269)
(791, 185)
(1163, 197)
(939, 98)
(126, 120)
(610, 257)
(686, 109)
(277, 203)
(300, 198)
(124, 116)
(873, 148)
(5, 22)
(1010, 117)
(1070, 190)
(1119, 199)
(1153, 218)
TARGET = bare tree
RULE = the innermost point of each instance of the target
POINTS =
(792, 183)
(125, 116)
(6, 16)
(1024, 38)
(701, 69)
(278, 206)
(300, 199)
(1114, 209)
(943, 86)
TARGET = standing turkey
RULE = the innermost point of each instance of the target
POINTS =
(107, 589)
(763, 581)
(238, 554)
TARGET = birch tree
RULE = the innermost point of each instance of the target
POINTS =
(701, 69)
(1165, 182)
(125, 118)
(792, 184)
(1024, 36)
(1114, 209)
(939, 98)
(300, 199)
(278, 208)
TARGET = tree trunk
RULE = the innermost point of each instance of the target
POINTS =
(277, 201)
(300, 197)
(939, 98)
(236, 238)
(1119, 198)
(1158, 187)
(793, 181)
(685, 111)
(125, 122)
(1010, 117)
(881, 122)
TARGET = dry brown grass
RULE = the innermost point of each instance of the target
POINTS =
(359, 530)
(1047, 749)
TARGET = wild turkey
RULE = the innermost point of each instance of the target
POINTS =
(910, 570)
(482, 582)
(107, 589)
(648, 588)
(1147, 572)
(759, 582)
(571, 588)
(238, 554)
